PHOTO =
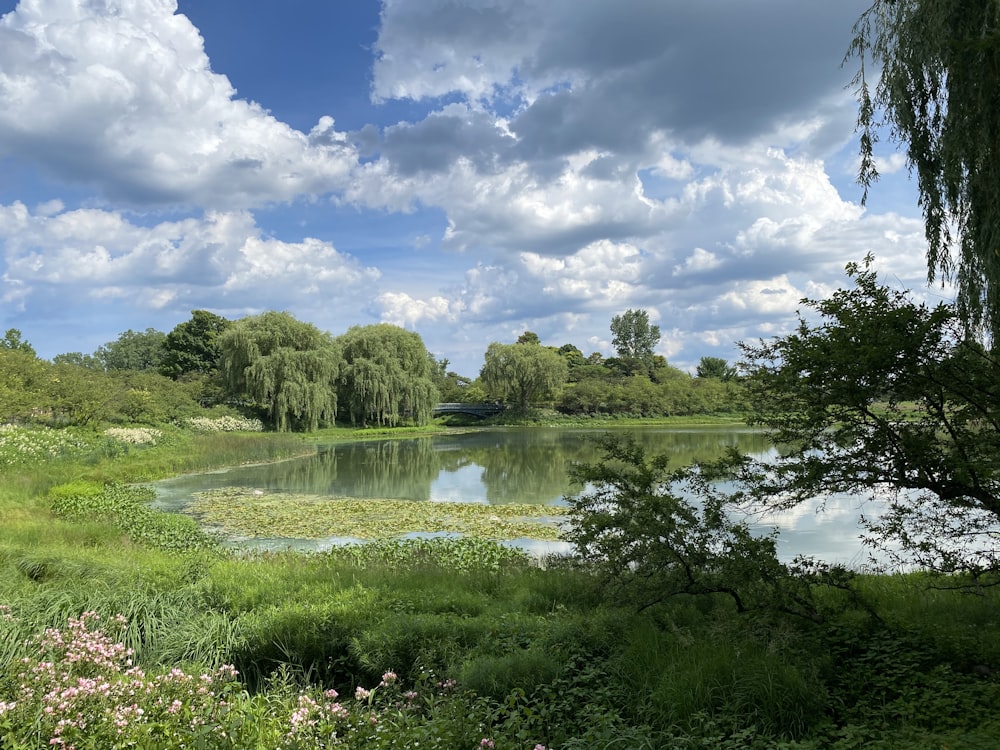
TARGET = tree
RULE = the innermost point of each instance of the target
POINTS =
(78, 359)
(639, 525)
(287, 366)
(387, 375)
(715, 367)
(633, 337)
(523, 373)
(937, 93)
(528, 337)
(12, 340)
(193, 346)
(890, 399)
(23, 384)
(133, 350)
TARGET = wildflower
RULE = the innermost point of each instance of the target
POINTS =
(387, 679)
(360, 694)
(485, 743)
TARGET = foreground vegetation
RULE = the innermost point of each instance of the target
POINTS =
(121, 627)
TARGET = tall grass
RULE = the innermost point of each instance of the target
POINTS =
(510, 651)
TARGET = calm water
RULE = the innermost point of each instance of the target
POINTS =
(507, 465)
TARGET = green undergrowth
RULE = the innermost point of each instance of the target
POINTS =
(489, 644)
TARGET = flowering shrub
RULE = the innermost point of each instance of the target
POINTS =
(79, 688)
(134, 435)
(22, 445)
(224, 424)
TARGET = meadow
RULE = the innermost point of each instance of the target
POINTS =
(124, 627)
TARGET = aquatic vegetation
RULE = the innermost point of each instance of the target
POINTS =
(248, 512)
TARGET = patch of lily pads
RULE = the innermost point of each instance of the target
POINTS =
(253, 513)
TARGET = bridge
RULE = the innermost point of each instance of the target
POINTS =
(476, 410)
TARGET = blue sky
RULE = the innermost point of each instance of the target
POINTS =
(468, 169)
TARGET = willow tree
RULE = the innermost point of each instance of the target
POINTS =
(523, 373)
(939, 94)
(287, 366)
(388, 375)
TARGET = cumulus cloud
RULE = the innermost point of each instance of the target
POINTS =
(220, 260)
(120, 95)
(578, 159)
(600, 74)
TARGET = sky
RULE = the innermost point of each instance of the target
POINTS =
(467, 169)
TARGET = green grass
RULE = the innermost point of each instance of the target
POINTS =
(497, 647)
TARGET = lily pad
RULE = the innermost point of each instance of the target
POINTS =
(249, 512)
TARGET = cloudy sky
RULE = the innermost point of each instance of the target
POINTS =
(468, 169)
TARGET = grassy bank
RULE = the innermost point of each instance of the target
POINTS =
(161, 639)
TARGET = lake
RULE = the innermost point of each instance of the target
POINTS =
(508, 465)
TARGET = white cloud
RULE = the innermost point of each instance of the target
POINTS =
(120, 95)
(399, 308)
(770, 297)
(220, 260)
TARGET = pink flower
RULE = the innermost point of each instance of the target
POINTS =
(485, 743)
(360, 694)
(388, 678)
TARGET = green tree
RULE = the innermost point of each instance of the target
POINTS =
(522, 373)
(573, 356)
(133, 350)
(652, 533)
(715, 367)
(287, 366)
(387, 375)
(82, 395)
(887, 398)
(78, 359)
(528, 337)
(13, 340)
(450, 385)
(23, 384)
(939, 74)
(193, 346)
(633, 337)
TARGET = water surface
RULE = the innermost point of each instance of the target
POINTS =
(508, 465)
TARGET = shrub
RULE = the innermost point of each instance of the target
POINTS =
(224, 424)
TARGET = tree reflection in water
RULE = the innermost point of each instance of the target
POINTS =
(498, 466)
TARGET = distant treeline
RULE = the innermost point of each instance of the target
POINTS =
(294, 376)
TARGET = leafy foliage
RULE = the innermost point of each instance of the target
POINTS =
(937, 90)
(387, 375)
(523, 373)
(133, 350)
(632, 335)
(715, 367)
(885, 397)
(14, 341)
(639, 525)
(288, 366)
(192, 346)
